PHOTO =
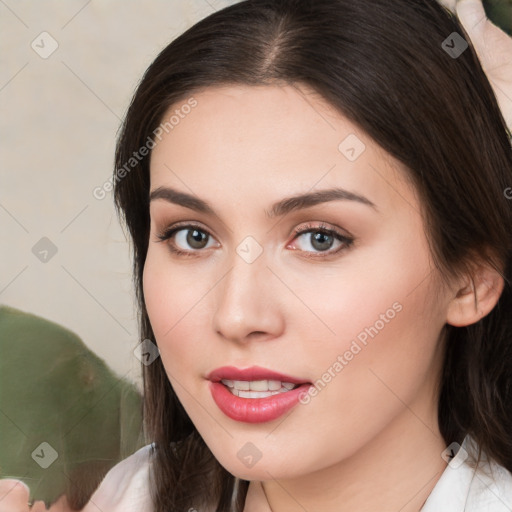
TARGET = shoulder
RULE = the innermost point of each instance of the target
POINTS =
(126, 487)
(491, 488)
(466, 486)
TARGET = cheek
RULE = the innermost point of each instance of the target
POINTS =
(382, 357)
(379, 321)
(173, 301)
(381, 292)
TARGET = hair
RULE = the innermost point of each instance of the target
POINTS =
(381, 65)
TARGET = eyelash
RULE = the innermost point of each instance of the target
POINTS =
(347, 241)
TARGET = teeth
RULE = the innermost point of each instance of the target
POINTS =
(242, 385)
(254, 394)
(258, 385)
(274, 385)
(257, 388)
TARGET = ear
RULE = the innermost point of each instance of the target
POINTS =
(475, 296)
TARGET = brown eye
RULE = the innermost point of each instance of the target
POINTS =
(186, 239)
(196, 239)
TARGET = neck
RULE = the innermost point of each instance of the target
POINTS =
(395, 471)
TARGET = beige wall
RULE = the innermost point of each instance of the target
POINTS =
(59, 117)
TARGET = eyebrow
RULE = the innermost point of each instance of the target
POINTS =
(278, 209)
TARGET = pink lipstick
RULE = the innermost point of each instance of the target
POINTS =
(255, 394)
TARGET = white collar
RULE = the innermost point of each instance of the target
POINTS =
(464, 487)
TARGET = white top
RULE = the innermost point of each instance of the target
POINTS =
(460, 488)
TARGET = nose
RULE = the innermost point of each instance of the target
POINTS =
(247, 302)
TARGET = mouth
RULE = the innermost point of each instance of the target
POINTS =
(258, 388)
(255, 394)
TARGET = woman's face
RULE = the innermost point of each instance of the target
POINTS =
(353, 303)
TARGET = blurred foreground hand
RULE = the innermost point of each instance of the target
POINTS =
(493, 47)
(14, 496)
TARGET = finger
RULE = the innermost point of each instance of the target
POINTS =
(472, 15)
(450, 4)
(38, 506)
(13, 496)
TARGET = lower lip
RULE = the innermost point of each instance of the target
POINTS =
(255, 410)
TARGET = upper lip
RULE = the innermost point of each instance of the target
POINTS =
(251, 374)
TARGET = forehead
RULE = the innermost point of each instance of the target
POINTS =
(264, 139)
(261, 121)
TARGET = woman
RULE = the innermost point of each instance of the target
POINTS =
(317, 197)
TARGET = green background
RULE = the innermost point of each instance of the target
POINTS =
(500, 12)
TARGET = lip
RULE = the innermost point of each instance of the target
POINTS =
(252, 373)
(254, 410)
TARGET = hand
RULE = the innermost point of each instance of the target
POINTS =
(494, 49)
(14, 496)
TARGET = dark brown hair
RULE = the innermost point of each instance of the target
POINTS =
(383, 66)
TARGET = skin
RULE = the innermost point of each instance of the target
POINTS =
(14, 496)
(494, 49)
(370, 439)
